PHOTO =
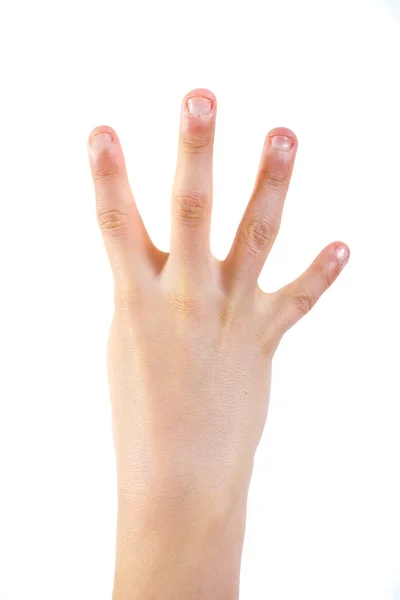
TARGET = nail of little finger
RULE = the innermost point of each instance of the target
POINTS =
(342, 254)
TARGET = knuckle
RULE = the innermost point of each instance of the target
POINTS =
(194, 145)
(325, 276)
(113, 220)
(184, 300)
(303, 300)
(104, 171)
(273, 178)
(259, 234)
(190, 207)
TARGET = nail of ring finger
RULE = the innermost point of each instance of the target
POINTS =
(260, 223)
(278, 157)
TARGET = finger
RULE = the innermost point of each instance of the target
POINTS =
(192, 186)
(296, 299)
(121, 226)
(260, 223)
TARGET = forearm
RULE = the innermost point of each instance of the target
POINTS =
(173, 548)
(190, 354)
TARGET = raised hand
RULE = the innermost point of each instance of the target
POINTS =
(189, 356)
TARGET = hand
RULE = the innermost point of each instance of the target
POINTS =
(189, 357)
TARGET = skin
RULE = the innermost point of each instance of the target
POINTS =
(189, 360)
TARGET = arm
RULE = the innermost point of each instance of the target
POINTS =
(189, 361)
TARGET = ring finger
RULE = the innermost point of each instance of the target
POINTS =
(261, 220)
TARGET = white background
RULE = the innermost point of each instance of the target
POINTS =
(323, 517)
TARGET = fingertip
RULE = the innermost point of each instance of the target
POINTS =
(105, 152)
(283, 132)
(202, 93)
(198, 112)
(103, 144)
(102, 130)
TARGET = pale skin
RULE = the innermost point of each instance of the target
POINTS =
(189, 360)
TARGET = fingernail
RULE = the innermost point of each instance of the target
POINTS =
(199, 106)
(342, 254)
(101, 141)
(281, 142)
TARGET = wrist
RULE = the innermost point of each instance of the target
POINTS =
(179, 546)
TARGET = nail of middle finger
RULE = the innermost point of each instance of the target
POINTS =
(282, 142)
(198, 115)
